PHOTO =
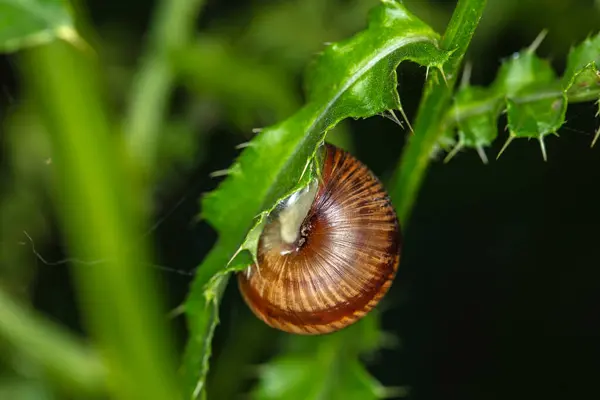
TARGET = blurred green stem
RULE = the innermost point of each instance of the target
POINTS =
(98, 199)
(436, 100)
(171, 30)
(66, 359)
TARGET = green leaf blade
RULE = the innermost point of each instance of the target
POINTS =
(582, 77)
(27, 23)
(368, 62)
(325, 367)
(522, 71)
(475, 113)
(536, 104)
(535, 119)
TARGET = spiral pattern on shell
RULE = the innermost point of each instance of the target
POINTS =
(332, 267)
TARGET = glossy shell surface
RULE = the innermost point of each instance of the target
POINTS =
(341, 262)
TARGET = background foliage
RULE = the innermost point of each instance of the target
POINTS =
(497, 294)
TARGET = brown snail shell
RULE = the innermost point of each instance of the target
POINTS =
(328, 255)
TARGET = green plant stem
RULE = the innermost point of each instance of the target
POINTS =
(172, 28)
(98, 200)
(436, 99)
(65, 358)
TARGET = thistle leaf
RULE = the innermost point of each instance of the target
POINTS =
(582, 78)
(531, 94)
(479, 130)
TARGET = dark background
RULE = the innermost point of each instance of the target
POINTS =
(498, 291)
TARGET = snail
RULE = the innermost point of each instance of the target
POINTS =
(327, 254)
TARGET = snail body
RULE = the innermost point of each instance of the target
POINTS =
(328, 254)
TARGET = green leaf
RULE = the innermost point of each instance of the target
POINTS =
(477, 129)
(536, 119)
(26, 23)
(355, 78)
(582, 78)
(522, 71)
(531, 94)
(301, 378)
(250, 86)
(325, 367)
(535, 103)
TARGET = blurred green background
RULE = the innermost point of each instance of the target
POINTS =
(498, 291)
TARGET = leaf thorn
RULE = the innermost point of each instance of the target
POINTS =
(306, 165)
(198, 388)
(234, 255)
(176, 312)
(595, 138)
(452, 153)
(221, 172)
(543, 147)
(482, 154)
(243, 145)
(71, 36)
(389, 114)
(441, 68)
(393, 392)
(538, 40)
(406, 119)
(510, 139)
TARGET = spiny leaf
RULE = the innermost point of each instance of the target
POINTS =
(355, 78)
(480, 130)
(531, 94)
(536, 119)
(26, 23)
(581, 78)
(535, 103)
